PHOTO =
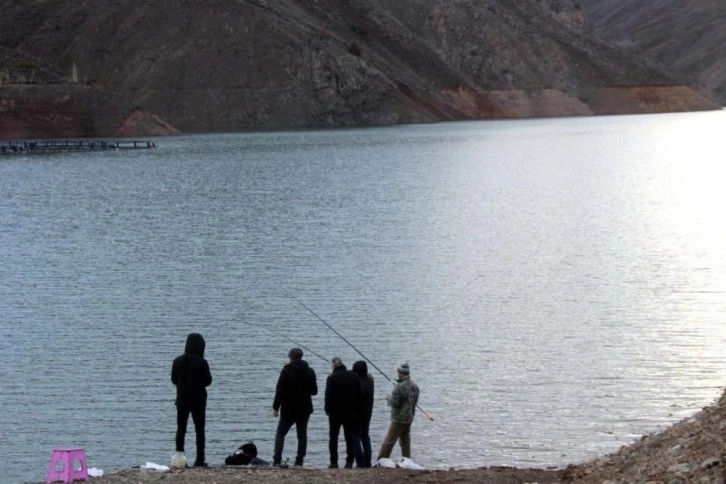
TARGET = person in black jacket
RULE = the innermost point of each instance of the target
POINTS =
(342, 397)
(293, 403)
(191, 375)
(365, 411)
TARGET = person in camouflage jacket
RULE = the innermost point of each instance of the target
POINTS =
(403, 400)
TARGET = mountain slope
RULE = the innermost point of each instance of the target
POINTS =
(227, 65)
(686, 36)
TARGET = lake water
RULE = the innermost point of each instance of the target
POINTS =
(556, 285)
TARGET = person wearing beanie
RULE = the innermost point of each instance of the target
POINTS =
(342, 397)
(362, 438)
(191, 375)
(403, 400)
(293, 404)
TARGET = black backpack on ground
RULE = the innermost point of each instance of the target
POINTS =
(245, 454)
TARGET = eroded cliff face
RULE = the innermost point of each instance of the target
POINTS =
(219, 65)
(38, 102)
(687, 37)
(69, 110)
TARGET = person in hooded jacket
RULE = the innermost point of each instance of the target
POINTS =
(293, 403)
(342, 398)
(365, 411)
(191, 375)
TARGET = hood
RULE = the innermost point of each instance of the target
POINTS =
(360, 368)
(195, 344)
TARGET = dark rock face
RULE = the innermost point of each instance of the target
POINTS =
(222, 65)
(37, 102)
(685, 36)
(71, 110)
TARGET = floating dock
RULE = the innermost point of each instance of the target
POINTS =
(65, 146)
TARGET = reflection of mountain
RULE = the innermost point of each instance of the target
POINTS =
(221, 65)
(686, 36)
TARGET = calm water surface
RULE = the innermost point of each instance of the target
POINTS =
(557, 286)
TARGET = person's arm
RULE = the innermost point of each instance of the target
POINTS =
(359, 400)
(174, 373)
(313, 382)
(328, 396)
(207, 374)
(394, 400)
(279, 390)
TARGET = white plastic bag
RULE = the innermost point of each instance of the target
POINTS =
(385, 463)
(178, 460)
(150, 466)
(407, 463)
(93, 472)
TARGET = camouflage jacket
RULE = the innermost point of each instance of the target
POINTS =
(403, 401)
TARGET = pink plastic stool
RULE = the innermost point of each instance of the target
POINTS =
(68, 473)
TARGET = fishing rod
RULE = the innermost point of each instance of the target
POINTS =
(426, 414)
(303, 347)
(290, 340)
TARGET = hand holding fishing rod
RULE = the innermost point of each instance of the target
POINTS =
(426, 414)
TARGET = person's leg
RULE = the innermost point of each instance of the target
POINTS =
(301, 425)
(394, 431)
(406, 441)
(182, 417)
(348, 437)
(365, 440)
(283, 426)
(334, 424)
(353, 448)
(199, 418)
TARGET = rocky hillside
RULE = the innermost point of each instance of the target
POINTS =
(219, 65)
(37, 101)
(685, 36)
(691, 451)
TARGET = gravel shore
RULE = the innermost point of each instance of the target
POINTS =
(691, 451)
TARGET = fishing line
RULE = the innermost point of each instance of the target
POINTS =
(244, 320)
(341, 337)
(426, 414)
(303, 347)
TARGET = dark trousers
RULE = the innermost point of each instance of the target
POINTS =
(363, 444)
(198, 417)
(283, 427)
(349, 435)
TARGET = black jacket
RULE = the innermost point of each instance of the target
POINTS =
(367, 391)
(190, 373)
(342, 394)
(296, 384)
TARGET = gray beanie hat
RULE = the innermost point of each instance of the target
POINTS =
(403, 369)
